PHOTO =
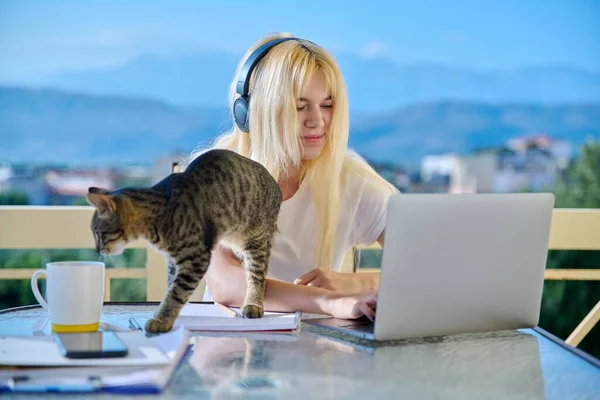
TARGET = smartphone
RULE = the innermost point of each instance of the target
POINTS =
(91, 345)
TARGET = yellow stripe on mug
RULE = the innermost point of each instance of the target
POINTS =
(75, 328)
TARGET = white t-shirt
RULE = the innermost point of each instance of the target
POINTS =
(362, 218)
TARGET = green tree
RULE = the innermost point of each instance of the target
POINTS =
(14, 198)
(81, 201)
(565, 303)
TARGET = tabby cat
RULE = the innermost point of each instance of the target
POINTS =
(220, 197)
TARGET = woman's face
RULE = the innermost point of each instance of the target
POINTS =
(315, 110)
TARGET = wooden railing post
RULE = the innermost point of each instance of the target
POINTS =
(106, 286)
(156, 274)
(584, 326)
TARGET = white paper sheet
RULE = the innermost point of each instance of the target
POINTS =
(21, 351)
(207, 317)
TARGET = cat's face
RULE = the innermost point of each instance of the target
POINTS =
(110, 235)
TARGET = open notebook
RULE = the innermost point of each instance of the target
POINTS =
(208, 317)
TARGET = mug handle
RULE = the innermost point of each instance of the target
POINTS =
(36, 290)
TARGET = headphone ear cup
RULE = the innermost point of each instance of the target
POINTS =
(240, 113)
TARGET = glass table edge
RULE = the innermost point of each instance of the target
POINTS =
(576, 351)
(542, 332)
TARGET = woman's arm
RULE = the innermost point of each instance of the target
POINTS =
(342, 282)
(226, 280)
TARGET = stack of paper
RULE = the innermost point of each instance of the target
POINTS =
(148, 367)
(208, 317)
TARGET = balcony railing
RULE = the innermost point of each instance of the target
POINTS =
(68, 227)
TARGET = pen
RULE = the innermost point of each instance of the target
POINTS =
(227, 310)
(133, 324)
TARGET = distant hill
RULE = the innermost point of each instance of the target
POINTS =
(409, 133)
(50, 125)
(375, 84)
(46, 124)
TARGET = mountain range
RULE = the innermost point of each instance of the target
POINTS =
(375, 84)
(51, 125)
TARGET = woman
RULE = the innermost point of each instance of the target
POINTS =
(332, 200)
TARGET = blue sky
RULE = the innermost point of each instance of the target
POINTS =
(38, 38)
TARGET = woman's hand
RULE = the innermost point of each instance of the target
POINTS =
(353, 307)
(336, 281)
(341, 282)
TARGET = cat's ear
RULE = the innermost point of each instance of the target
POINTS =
(101, 199)
(97, 190)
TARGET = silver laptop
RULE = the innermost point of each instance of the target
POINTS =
(458, 263)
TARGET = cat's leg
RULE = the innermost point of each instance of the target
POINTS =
(256, 260)
(171, 270)
(190, 270)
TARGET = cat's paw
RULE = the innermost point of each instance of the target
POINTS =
(154, 325)
(252, 311)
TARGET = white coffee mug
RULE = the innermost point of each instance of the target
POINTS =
(74, 294)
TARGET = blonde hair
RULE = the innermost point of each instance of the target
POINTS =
(276, 82)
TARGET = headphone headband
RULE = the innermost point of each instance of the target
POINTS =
(243, 84)
(242, 104)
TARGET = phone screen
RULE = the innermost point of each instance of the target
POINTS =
(91, 345)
